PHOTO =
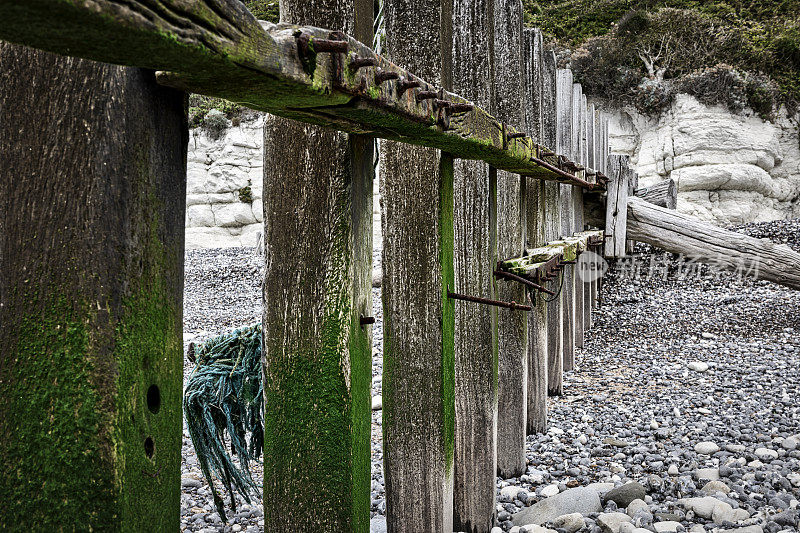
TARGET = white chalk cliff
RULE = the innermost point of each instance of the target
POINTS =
(729, 168)
(225, 180)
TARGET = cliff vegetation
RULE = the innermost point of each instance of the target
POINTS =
(737, 53)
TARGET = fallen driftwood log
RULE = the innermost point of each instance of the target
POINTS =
(682, 234)
(705, 243)
(662, 194)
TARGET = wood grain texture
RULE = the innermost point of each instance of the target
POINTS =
(537, 320)
(93, 185)
(604, 142)
(552, 228)
(591, 150)
(663, 194)
(474, 256)
(705, 243)
(549, 131)
(217, 48)
(417, 218)
(533, 64)
(633, 184)
(317, 357)
(578, 226)
(511, 236)
(616, 205)
(579, 316)
(533, 68)
(591, 163)
(568, 127)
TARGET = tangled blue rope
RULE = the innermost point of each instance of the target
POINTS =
(223, 400)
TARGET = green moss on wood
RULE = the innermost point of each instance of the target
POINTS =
(75, 401)
(446, 252)
(150, 354)
(361, 419)
(317, 408)
(59, 422)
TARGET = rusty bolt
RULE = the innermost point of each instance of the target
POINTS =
(407, 83)
(357, 62)
(426, 95)
(461, 107)
(441, 104)
(516, 135)
(382, 76)
(329, 46)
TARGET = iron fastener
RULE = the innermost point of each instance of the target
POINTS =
(329, 46)
(460, 107)
(357, 62)
(520, 279)
(487, 301)
(426, 95)
(407, 83)
(382, 76)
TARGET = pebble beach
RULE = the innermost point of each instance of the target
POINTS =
(681, 414)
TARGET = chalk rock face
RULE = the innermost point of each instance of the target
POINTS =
(729, 168)
(225, 178)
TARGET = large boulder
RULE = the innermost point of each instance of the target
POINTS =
(625, 494)
(578, 500)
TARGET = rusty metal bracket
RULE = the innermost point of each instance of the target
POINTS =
(524, 281)
(497, 303)
(548, 268)
(562, 173)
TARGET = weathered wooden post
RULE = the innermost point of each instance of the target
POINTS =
(417, 190)
(569, 219)
(577, 213)
(533, 101)
(555, 305)
(317, 353)
(511, 236)
(567, 145)
(633, 184)
(601, 135)
(616, 205)
(592, 162)
(475, 254)
(91, 295)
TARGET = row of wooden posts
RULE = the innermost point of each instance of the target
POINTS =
(91, 269)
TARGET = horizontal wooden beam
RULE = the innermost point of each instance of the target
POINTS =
(567, 249)
(314, 75)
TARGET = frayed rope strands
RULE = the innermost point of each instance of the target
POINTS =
(225, 396)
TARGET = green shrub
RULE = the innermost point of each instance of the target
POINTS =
(263, 9)
(199, 107)
(618, 43)
(763, 95)
(721, 84)
(651, 97)
(215, 123)
(246, 195)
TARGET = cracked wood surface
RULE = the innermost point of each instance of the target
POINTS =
(217, 48)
